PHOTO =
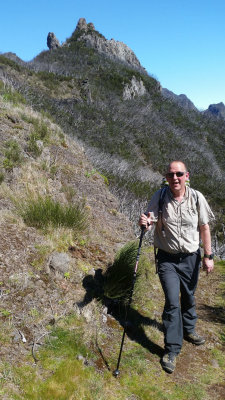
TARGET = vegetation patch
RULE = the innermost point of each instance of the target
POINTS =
(11, 95)
(119, 276)
(10, 63)
(51, 80)
(44, 211)
(13, 155)
(40, 132)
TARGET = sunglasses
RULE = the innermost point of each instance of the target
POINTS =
(178, 174)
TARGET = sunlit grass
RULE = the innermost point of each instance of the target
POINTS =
(44, 211)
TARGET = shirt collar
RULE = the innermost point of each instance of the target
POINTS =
(186, 194)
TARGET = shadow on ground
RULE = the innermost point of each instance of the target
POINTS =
(94, 286)
(212, 314)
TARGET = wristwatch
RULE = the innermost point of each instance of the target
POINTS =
(209, 256)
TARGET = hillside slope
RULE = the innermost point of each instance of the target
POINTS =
(60, 335)
(38, 161)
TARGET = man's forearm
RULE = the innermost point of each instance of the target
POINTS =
(206, 238)
(208, 264)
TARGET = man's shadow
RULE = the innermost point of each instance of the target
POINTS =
(128, 317)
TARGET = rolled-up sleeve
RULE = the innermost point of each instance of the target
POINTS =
(205, 214)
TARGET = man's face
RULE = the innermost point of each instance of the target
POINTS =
(177, 182)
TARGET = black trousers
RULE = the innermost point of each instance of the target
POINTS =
(178, 274)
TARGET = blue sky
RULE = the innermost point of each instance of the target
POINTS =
(180, 42)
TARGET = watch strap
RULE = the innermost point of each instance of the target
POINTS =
(209, 256)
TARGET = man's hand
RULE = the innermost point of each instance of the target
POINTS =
(208, 265)
(145, 220)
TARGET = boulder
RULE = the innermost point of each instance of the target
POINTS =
(59, 264)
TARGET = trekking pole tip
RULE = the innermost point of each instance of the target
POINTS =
(116, 373)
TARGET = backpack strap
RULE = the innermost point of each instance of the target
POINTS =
(161, 202)
(195, 195)
(160, 209)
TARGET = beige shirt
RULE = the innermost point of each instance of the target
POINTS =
(178, 231)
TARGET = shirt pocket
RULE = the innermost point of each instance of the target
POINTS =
(189, 218)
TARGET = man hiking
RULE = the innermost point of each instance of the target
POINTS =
(181, 220)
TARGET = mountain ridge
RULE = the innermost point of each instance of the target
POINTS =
(86, 32)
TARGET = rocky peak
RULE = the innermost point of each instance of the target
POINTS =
(83, 26)
(217, 110)
(112, 48)
(86, 33)
(52, 41)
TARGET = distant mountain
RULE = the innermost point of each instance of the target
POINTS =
(180, 99)
(217, 110)
(15, 58)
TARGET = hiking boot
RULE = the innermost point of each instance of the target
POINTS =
(194, 338)
(169, 362)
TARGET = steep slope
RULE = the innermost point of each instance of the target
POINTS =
(42, 268)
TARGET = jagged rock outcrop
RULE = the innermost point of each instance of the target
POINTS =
(136, 88)
(217, 110)
(111, 48)
(52, 41)
(83, 26)
(181, 99)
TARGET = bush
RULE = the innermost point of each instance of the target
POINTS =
(119, 276)
(44, 211)
(32, 146)
(40, 132)
(13, 155)
(2, 177)
(12, 96)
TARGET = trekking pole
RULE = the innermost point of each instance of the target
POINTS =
(116, 372)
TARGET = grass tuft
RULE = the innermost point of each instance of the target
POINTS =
(13, 155)
(44, 211)
(119, 276)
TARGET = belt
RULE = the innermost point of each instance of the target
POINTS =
(175, 256)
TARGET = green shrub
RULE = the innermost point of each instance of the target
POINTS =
(44, 211)
(13, 155)
(2, 177)
(119, 276)
(40, 132)
(32, 146)
(12, 96)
